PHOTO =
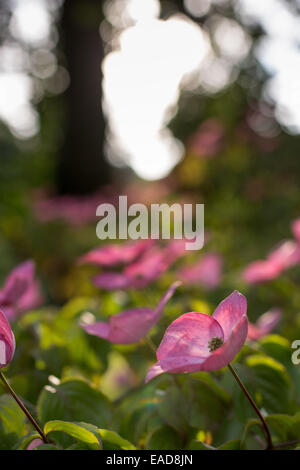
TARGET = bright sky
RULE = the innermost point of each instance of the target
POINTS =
(141, 86)
(151, 60)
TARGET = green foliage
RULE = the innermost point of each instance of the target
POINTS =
(12, 421)
(73, 399)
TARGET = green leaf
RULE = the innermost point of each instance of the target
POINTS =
(270, 381)
(285, 427)
(78, 431)
(112, 441)
(46, 447)
(164, 438)
(277, 347)
(235, 444)
(12, 422)
(199, 402)
(74, 399)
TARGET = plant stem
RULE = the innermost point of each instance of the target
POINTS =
(254, 406)
(23, 408)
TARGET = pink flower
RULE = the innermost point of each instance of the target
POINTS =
(21, 291)
(261, 271)
(7, 341)
(34, 444)
(286, 255)
(132, 325)
(144, 270)
(115, 254)
(296, 229)
(206, 271)
(265, 324)
(137, 275)
(198, 342)
(75, 210)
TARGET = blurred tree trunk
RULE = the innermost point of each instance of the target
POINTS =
(82, 167)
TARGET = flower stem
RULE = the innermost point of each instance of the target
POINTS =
(23, 408)
(254, 406)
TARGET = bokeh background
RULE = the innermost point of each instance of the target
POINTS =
(164, 101)
(157, 100)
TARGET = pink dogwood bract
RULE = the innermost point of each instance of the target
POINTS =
(132, 325)
(146, 269)
(21, 291)
(296, 229)
(286, 255)
(198, 342)
(35, 443)
(115, 254)
(7, 341)
(206, 271)
(264, 325)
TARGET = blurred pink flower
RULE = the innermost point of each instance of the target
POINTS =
(286, 255)
(76, 210)
(115, 254)
(137, 275)
(21, 292)
(7, 341)
(264, 325)
(296, 229)
(35, 443)
(208, 139)
(146, 269)
(198, 342)
(206, 271)
(261, 271)
(132, 325)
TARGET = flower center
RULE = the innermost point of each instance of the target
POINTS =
(214, 344)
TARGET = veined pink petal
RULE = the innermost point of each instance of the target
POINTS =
(206, 271)
(230, 311)
(7, 341)
(189, 336)
(115, 254)
(296, 229)
(193, 342)
(265, 324)
(132, 325)
(232, 345)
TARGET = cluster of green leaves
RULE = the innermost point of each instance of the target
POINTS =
(89, 394)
